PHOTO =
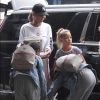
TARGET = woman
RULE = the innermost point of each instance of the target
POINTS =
(35, 28)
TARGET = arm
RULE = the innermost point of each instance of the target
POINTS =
(21, 37)
(79, 51)
(49, 45)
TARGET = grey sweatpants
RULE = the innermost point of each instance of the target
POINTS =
(85, 84)
(25, 88)
(79, 90)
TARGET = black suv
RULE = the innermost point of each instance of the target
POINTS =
(82, 20)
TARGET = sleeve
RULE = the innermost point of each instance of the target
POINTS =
(77, 50)
(50, 40)
(21, 37)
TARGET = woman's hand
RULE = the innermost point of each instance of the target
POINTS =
(45, 54)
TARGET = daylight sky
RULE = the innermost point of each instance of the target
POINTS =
(4, 1)
(2, 13)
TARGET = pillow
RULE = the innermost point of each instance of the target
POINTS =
(34, 41)
(23, 57)
(69, 62)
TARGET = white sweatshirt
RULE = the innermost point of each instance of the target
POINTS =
(44, 30)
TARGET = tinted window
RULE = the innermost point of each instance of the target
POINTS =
(58, 20)
(76, 25)
(92, 33)
(71, 20)
(11, 27)
(9, 33)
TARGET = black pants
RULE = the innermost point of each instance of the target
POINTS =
(62, 93)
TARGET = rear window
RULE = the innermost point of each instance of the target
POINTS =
(11, 27)
(93, 29)
(72, 20)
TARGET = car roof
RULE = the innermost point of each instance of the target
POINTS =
(24, 6)
(64, 8)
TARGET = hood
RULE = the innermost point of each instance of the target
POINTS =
(26, 4)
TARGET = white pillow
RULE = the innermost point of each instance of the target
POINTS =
(23, 57)
(69, 62)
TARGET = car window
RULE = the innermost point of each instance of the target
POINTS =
(76, 25)
(9, 33)
(11, 27)
(58, 20)
(92, 33)
(71, 20)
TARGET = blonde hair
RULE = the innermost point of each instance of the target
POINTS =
(60, 33)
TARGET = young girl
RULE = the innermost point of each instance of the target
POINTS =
(81, 83)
